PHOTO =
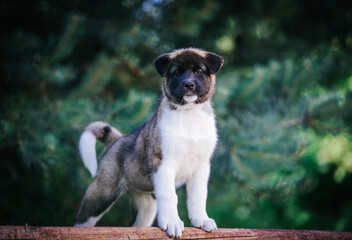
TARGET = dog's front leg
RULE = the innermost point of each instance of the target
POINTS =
(165, 192)
(197, 190)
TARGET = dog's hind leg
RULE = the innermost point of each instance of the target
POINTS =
(97, 200)
(146, 207)
(106, 188)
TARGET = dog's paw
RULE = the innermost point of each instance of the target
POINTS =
(207, 224)
(172, 225)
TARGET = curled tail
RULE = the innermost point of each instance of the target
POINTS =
(96, 130)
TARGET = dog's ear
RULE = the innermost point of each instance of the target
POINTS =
(162, 63)
(214, 62)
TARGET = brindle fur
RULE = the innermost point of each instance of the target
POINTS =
(128, 164)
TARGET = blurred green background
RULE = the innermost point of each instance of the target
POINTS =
(283, 103)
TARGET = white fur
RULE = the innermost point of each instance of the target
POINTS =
(146, 206)
(198, 51)
(190, 99)
(188, 139)
(90, 222)
(196, 199)
(87, 143)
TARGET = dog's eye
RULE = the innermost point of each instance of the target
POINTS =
(177, 73)
(199, 72)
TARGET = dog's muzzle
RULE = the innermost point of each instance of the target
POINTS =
(190, 99)
(189, 88)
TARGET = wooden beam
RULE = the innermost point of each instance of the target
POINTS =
(30, 232)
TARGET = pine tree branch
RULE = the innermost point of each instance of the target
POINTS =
(286, 124)
(134, 70)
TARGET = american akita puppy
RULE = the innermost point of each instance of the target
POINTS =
(173, 148)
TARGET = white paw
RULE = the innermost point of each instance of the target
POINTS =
(172, 225)
(207, 224)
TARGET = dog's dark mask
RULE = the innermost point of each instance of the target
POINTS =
(188, 75)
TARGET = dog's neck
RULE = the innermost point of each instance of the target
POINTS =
(205, 106)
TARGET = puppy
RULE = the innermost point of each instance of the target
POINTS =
(173, 148)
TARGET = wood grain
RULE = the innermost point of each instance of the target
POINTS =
(31, 232)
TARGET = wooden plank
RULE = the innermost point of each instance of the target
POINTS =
(30, 232)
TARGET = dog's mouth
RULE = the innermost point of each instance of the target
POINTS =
(183, 96)
(190, 97)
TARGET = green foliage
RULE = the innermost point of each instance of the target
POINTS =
(283, 103)
(280, 128)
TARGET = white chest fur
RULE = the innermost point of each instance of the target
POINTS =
(188, 138)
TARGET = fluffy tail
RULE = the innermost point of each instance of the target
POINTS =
(96, 130)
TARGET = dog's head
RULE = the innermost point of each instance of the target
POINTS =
(189, 75)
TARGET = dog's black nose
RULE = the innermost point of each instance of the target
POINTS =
(190, 85)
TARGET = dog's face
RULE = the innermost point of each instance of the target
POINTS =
(189, 75)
